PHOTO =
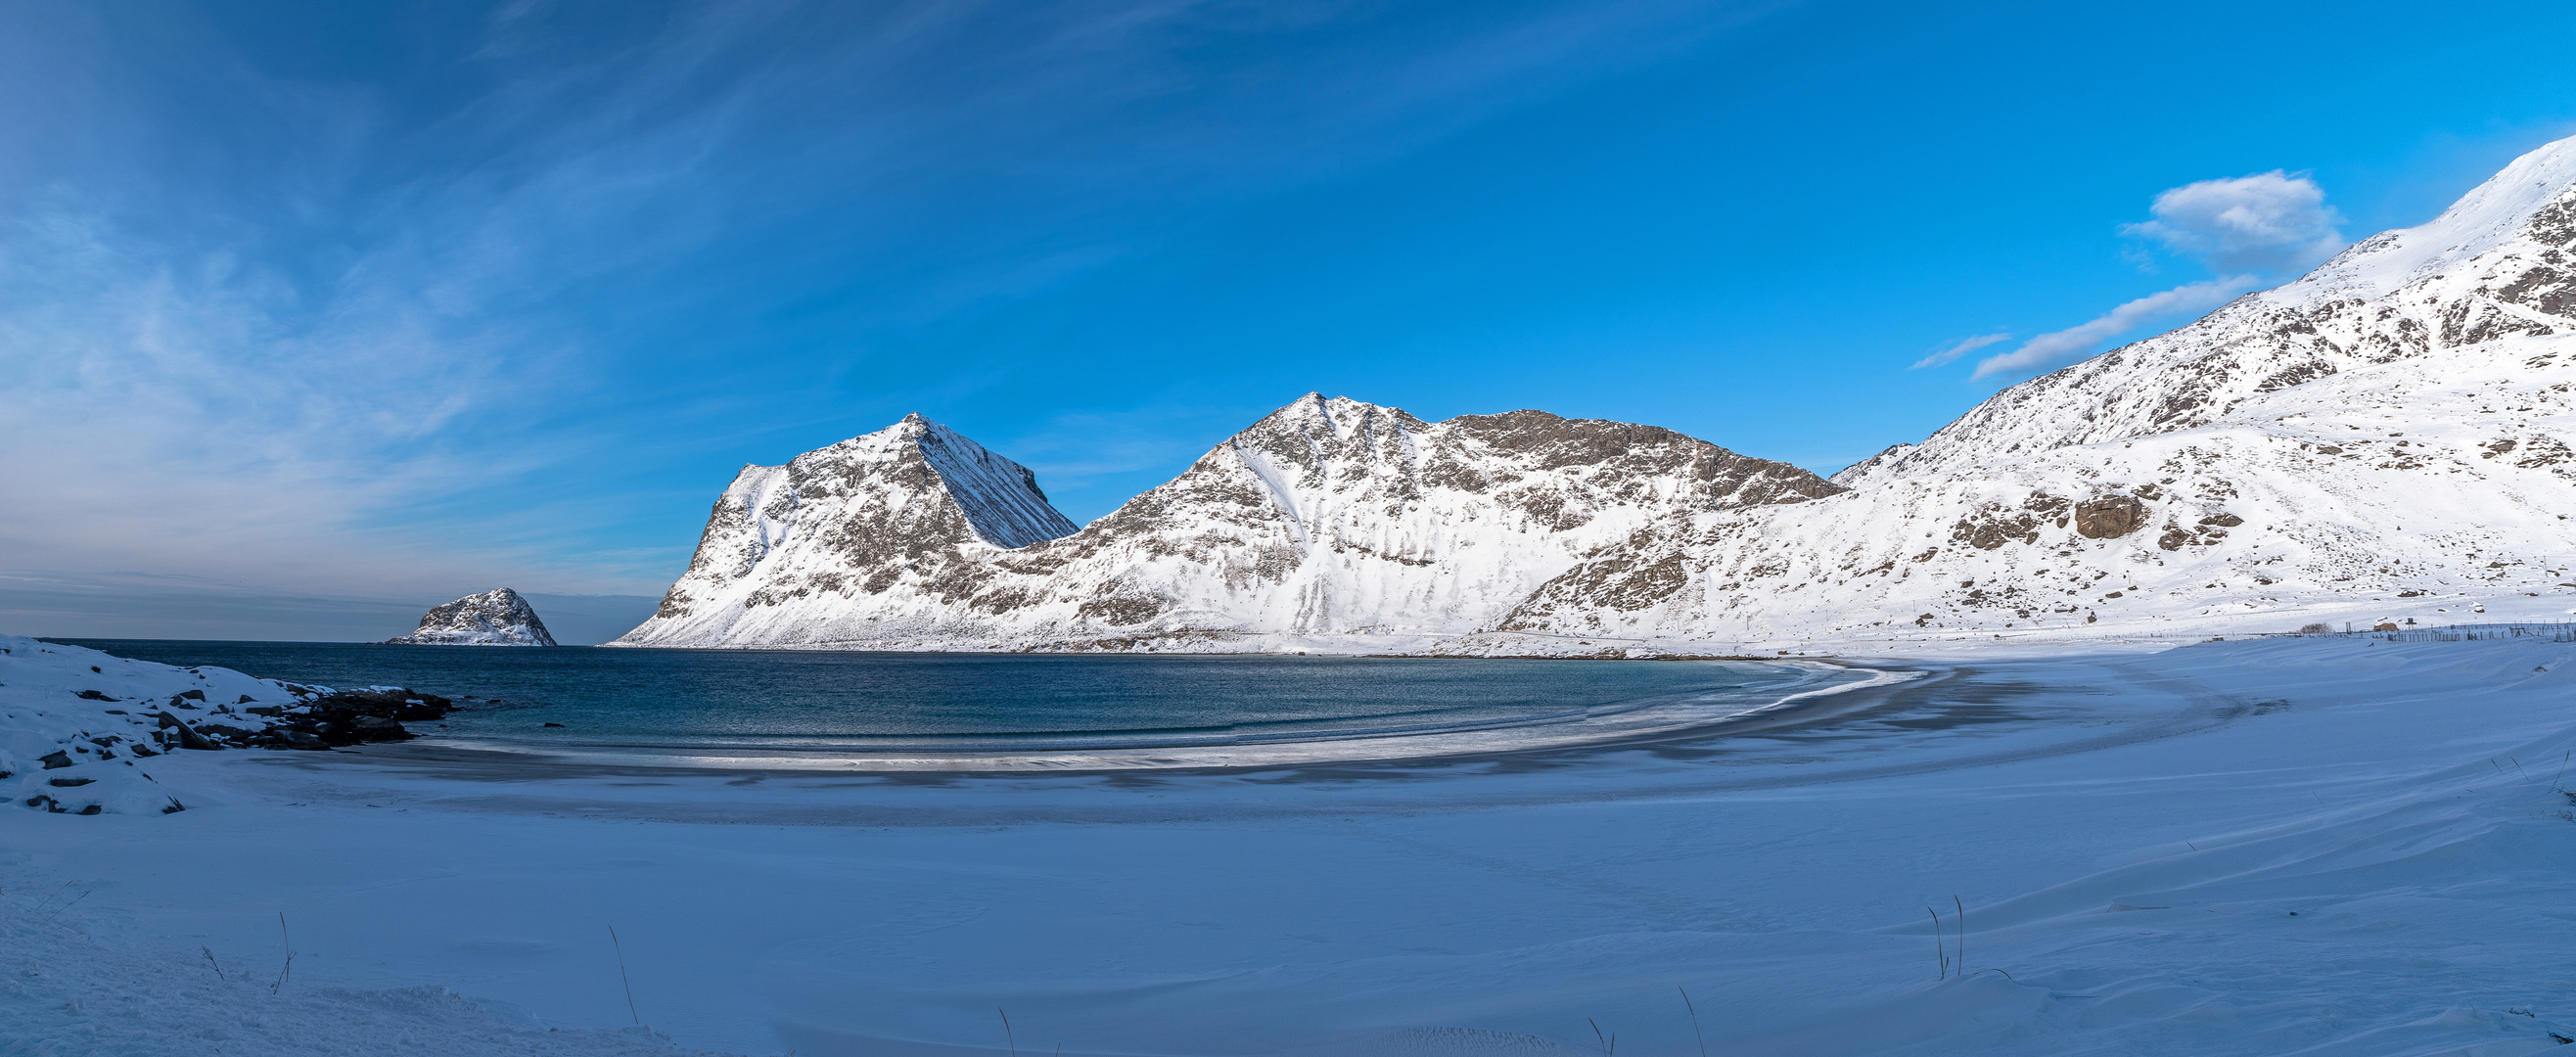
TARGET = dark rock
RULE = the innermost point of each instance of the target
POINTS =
(2109, 517)
(188, 736)
(554, 724)
(93, 695)
(193, 695)
(349, 717)
(56, 758)
(68, 783)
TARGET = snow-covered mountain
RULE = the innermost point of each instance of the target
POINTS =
(1328, 517)
(497, 617)
(2382, 439)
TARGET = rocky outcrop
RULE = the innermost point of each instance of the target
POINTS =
(494, 618)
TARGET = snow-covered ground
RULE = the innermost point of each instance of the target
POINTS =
(2295, 845)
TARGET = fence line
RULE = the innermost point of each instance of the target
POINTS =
(2538, 631)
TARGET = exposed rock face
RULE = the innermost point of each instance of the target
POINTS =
(494, 618)
(1328, 516)
(2109, 517)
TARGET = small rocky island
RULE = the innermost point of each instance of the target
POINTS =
(494, 618)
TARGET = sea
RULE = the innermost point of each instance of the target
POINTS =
(826, 700)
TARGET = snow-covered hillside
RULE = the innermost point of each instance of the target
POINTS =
(2422, 488)
(2382, 439)
(494, 618)
(2499, 263)
(1330, 517)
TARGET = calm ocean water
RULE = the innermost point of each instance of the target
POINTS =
(789, 699)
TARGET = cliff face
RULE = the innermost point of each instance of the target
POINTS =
(494, 618)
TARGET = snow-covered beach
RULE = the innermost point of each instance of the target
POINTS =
(2329, 844)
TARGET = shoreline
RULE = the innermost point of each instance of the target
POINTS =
(1800, 703)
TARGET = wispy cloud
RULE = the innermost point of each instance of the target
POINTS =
(2252, 230)
(2064, 346)
(375, 337)
(1961, 348)
(2269, 222)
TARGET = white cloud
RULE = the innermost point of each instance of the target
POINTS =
(2269, 222)
(2057, 347)
(1962, 348)
(2252, 230)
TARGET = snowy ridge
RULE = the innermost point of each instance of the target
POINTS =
(2418, 489)
(494, 618)
(1329, 516)
(912, 501)
(2500, 263)
(2384, 439)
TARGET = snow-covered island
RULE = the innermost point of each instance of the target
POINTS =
(498, 617)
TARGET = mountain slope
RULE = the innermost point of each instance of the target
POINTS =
(914, 503)
(1330, 516)
(2385, 438)
(2499, 263)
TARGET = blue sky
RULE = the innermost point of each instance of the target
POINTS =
(410, 300)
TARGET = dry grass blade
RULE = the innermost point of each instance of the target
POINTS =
(1963, 932)
(620, 948)
(1694, 1015)
(283, 971)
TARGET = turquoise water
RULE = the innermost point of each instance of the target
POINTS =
(790, 699)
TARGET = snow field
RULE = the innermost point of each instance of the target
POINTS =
(2327, 845)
